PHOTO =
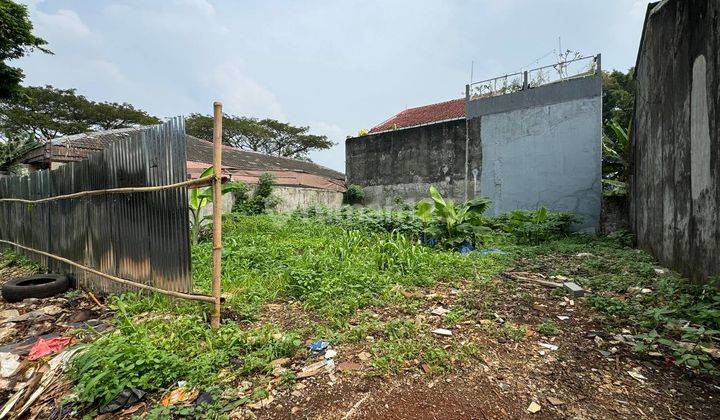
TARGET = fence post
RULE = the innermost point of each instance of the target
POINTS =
(525, 80)
(217, 212)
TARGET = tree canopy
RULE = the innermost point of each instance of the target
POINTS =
(16, 40)
(43, 113)
(266, 136)
(618, 97)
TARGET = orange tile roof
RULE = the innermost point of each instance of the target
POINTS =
(448, 110)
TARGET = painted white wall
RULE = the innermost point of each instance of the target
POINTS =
(544, 156)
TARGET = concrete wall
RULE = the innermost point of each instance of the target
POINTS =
(291, 199)
(539, 146)
(542, 147)
(675, 183)
(405, 162)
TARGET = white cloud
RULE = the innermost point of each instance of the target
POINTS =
(203, 6)
(64, 23)
(240, 94)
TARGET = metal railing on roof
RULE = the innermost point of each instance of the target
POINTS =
(563, 71)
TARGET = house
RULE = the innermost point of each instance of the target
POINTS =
(524, 140)
(297, 183)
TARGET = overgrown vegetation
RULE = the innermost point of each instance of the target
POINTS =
(262, 200)
(153, 351)
(668, 313)
(353, 195)
(329, 269)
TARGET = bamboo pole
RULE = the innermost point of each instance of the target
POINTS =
(200, 182)
(189, 296)
(217, 212)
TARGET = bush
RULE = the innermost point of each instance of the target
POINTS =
(262, 201)
(533, 227)
(353, 195)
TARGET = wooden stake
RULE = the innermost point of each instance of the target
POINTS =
(217, 213)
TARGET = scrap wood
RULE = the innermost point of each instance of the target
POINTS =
(44, 379)
(524, 276)
(92, 296)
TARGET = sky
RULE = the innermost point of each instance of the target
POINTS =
(335, 66)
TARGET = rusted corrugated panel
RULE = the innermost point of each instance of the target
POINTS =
(142, 237)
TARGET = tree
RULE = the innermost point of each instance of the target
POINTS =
(268, 136)
(618, 95)
(16, 40)
(44, 113)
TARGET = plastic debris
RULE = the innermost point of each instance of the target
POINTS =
(204, 398)
(318, 345)
(465, 248)
(330, 353)
(533, 407)
(563, 317)
(442, 331)
(9, 363)
(126, 399)
(552, 347)
(45, 347)
(635, 373)
(179, 395)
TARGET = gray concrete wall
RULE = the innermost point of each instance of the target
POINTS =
(675, 180)
(291, 198)
(539, 146)
(405, 162)
(548, 154)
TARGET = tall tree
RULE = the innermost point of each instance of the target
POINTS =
(266, 136)
(618, 95)
(44, 113)
(16, 40)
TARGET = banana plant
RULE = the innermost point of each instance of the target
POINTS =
(616, 159)
(200, 198)
(452, 224)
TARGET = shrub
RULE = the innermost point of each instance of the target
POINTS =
(532, 227)
(353, 195)
(262, 201)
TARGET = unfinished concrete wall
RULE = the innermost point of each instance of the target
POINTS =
(541, 147)
(405, 162)
(536, 147)
(291, 198)
(675, 182)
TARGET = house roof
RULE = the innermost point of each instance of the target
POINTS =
(199, 150)
(449, 110)
(246, 165)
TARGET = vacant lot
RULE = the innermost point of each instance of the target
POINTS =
(641, 343)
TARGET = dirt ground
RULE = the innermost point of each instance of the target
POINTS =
(586, 377)
(591, 374)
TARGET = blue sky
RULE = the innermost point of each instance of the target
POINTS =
(337, 66)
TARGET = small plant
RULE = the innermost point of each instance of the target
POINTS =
(548, 327)
(353, 195)
(451, 224)
(200, 198)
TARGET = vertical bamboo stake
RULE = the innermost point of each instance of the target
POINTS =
(217, 213)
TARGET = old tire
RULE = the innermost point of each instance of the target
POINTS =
(40, 286)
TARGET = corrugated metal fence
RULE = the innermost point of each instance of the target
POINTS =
(140, 236)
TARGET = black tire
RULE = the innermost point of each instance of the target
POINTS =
(40, 286)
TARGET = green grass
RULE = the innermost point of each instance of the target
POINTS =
(332, 271)
(350, 280)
